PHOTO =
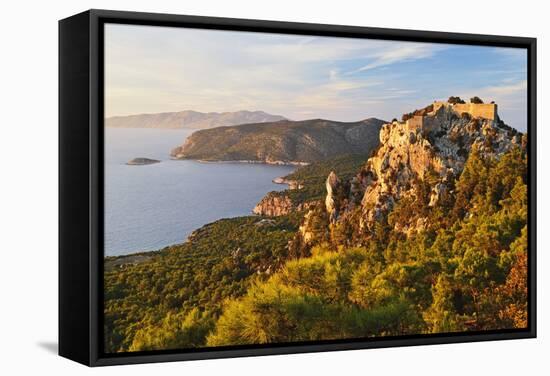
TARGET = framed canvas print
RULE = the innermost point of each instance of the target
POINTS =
(236, 187)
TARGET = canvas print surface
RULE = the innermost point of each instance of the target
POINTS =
(268, 188)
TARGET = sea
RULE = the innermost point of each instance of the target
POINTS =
(149, 207)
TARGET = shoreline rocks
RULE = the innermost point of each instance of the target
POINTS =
(180, 157)
(292, 184)
(274, 204)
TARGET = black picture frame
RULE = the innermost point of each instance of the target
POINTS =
(81, 184)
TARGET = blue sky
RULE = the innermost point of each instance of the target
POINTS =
(152, 69)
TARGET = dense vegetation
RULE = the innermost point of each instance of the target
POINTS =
(466, 272)
(169, 298)
(247, 280)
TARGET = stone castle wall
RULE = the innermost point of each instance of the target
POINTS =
(427, 124)
(483, 110)
(419, 122)
(414, 123)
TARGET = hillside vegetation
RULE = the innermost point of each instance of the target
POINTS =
(282, 142)
(427, 235)
(463, 274)
(148, 300)
(466, 273)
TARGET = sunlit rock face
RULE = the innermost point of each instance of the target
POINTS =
(437, 145)
(332, 184)
(274, 205)
(430, 146)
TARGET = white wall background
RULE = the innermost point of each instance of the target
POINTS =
(28, 186)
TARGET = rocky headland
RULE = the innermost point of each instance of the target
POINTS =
(281, 142)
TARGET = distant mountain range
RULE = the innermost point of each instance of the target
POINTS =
(282, 142)
(190, 119)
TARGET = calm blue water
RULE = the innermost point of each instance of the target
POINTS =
(149, 207)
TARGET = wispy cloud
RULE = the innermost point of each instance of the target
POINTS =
(401, 52)
(158, 69)
(507, 89)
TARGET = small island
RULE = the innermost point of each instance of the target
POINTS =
(142, 162)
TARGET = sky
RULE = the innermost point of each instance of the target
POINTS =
(150, 69)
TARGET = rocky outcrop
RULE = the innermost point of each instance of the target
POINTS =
(429, 148)
(314, 228)
(306, 228)
(274, 204)
(439, 191)
(292, 184)
(332, 185)
(433, 146)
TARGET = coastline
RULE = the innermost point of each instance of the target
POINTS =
(136, 257)
(247, 161)
(292, 184)
(143, 255)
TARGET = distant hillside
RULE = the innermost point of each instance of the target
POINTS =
(190, 119)
(282, 142)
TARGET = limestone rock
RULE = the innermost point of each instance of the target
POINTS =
(434, 145)
(274, 204)
(307, 235)
(311, 228)
(292, 184)
(438, 191)
(332, 185)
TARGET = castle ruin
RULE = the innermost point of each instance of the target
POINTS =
(481, 110)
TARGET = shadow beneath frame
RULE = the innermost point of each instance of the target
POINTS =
(51, 347)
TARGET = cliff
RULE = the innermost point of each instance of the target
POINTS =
(418, 160)
(435, 150)
(276, 204)
(190, 119)
(282, 142)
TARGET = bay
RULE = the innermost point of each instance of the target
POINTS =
(152, 206)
